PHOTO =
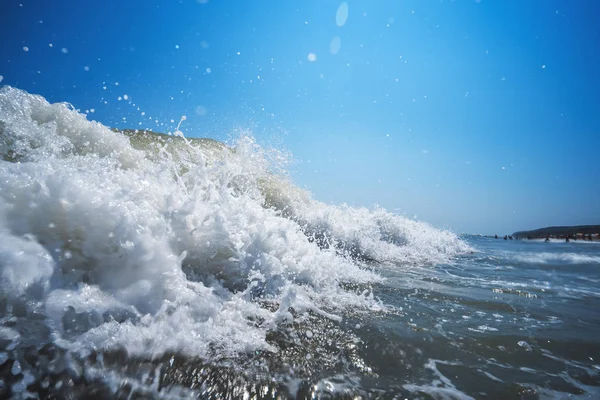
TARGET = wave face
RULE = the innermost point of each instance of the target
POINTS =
(155, 245)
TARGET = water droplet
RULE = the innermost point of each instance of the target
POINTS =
(16, 368)
(335, 45)
(342, 14)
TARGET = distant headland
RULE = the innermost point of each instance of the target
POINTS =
(579, 232)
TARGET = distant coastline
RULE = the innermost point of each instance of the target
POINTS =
(578, 232)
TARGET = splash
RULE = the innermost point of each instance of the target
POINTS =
(154, 244)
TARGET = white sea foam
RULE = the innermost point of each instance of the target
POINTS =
(155, 251)
(441, 388)
(561, 258)
(375, 234)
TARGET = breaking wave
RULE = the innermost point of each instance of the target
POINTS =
(153, 244)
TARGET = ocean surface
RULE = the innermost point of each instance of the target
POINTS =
(148, 266)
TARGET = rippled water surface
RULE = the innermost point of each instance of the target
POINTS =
(515, 319)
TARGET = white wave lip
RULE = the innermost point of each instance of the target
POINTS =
(123, 247)
(567, 258)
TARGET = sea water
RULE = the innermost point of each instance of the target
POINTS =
(142, 265)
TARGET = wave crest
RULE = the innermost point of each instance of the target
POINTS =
(157, 243)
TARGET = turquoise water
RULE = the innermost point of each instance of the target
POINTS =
(157, 267)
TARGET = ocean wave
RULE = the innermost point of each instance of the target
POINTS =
(162, 244)
(559, 258)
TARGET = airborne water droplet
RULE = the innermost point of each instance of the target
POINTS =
(342, 14)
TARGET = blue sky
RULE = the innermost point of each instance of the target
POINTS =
(479, 116)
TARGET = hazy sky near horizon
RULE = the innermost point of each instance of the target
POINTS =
(478, 116)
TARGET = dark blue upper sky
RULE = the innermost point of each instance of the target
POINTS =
(480, 116)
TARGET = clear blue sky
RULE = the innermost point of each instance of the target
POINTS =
(480, 116)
